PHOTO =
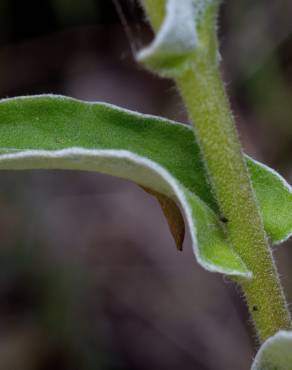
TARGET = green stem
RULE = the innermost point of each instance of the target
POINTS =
(204, 95)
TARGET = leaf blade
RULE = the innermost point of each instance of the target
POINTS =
(274, 196)
(148, 174)
(58, 132)
(275, 353)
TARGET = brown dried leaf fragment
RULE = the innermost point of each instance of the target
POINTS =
(173, 216)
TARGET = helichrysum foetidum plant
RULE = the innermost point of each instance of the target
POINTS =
(236, 209)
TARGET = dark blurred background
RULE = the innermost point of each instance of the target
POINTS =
(89, 274)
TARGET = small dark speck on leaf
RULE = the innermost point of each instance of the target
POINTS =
(224, 219)
(255, 308)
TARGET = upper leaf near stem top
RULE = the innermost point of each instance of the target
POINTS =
(187, 31)
(50, 132)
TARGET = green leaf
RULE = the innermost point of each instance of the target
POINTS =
(275, 353)
(62, 133)
(54, 132)
(185, 31)
(274, 196)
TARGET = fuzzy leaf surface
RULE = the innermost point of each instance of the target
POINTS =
(275, 353)
(54, 132)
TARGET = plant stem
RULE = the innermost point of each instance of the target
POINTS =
(204, 95)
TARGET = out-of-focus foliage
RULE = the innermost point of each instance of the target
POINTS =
(42, 315)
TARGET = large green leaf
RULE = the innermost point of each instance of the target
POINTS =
(55, 132)
(275, 353)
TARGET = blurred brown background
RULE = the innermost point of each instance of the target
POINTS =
(89, 275)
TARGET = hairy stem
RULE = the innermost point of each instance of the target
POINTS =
(204, 95)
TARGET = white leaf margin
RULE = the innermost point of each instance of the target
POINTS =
(275, 353)
(135, 168)
(281, 182)
(177, 35)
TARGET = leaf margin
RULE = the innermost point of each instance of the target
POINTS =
(182, 129)
(262, 360)
(174, 188)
